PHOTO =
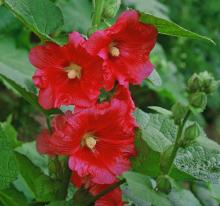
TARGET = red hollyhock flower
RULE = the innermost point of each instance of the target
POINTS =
(98, 140)
(125, 48)
(66, 74)
(113, 198)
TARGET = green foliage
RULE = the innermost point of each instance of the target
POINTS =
(12, 197)
(199, 163)
(203, 194)
(170, 28)
(40, 16)
(157, 130)
(14, 63)
(43, 187)
(179, 197)
(61, 203)
(77, 16)
(141, 192)
(8, 166)
(8, 23)
(155, 79)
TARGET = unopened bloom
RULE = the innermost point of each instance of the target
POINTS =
(98, 140)
(66, 75)
(125, 48)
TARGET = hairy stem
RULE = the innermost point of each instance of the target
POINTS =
(176, 145)
(97, 15)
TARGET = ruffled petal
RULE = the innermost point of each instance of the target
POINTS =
(47, 56)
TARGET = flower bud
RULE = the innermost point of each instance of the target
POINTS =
(198, 100)
(179, 111)
(111, 8)
(191, 133)
(163, 184)
(194, 83)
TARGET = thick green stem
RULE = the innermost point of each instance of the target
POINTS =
(97, 15)
(176, 145)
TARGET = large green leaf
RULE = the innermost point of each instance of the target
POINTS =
(158, 131)
(29, 97)
(77, 16)
(12, 197)
(14, 63)
(43, 187)
(140, 191)
(147, 161)
(203, 194)
(29, 150)
(8, 22)
(61, 203)
(199, 162)
(182, 197)
(215, 191)
(8, 166)
(170, 28)
(40, 16)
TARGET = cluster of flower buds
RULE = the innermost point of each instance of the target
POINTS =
(199, 85)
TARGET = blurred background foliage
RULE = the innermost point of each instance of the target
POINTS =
(175, 59)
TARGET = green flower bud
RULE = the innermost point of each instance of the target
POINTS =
(194, 83)
(179, 111)
(198, 100)
(163, 184)
(191, 133)
(111, 8)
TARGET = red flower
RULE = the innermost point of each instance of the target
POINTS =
(66, 75)
(113, 198)
(125, 48)
(98, 140)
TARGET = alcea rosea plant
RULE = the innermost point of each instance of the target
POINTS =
(110, 151)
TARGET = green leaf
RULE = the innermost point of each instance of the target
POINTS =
(199, 163)
(61, 203)
(8, 166)
(40, 16)
(158, 131)
(215, 191)
(77, 16)
(29, 150)
(8, 23)
(14, 63)
(43, 187)
(170, 28)
(181, 197)
(155, 79)
(203, 194)
(12, 197)
(140, 191)
(29, 97)
(83, 197)
(161, 110)
(147, 161)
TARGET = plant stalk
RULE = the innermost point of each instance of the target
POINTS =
(177, 144)
(97, 15)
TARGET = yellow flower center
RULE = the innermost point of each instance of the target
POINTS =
(113, 50)
(73, 71)
(89, 141)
